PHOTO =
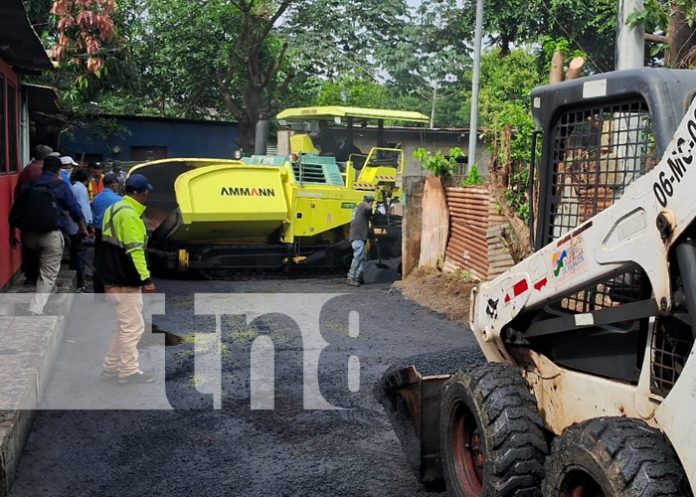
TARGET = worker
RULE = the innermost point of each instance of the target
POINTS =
(123, 267)
(31, 172)
(37, 212)
(96, 179)
(66, 168)
(101, 202)
(34, 169)
(359, 232)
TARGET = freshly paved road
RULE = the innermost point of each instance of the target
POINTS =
(194, 450)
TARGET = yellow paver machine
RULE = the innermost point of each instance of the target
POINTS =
(278, 211)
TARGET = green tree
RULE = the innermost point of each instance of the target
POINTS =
(589, 26)
(354, 91)
(332, 38)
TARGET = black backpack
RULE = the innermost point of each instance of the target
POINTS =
(35, 209)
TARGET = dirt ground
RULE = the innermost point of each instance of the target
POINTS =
(446, 293)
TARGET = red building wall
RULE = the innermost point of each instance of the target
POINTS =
(9, 167)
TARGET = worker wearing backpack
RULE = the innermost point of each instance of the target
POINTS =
(37, 212)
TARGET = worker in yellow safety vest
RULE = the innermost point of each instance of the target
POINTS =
(123, 266)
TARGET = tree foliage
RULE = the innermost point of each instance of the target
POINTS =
(85, 28)
(506, 85)
(589, 26)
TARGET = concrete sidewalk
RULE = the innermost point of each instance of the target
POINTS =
(28, 349)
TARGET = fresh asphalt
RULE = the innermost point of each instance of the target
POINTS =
(193, 449)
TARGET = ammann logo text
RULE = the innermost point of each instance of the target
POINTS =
(236, 191)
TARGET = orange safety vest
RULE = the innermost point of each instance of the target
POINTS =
(95, 186)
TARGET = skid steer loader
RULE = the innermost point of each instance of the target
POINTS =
(590, 385)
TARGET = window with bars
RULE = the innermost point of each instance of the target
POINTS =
(597, 152)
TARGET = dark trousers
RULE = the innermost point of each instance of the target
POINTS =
(78, 258)
(30, 265)
(97, 281)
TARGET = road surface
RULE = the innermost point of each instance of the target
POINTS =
(196, 450)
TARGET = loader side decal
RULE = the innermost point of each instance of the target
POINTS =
(236, 191)
(517, 289)
(569, 259)
(558, 260)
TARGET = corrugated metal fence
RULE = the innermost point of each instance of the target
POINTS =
(475, 243)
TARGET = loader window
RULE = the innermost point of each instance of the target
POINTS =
(597, 152)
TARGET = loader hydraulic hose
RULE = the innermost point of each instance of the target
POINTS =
(686, 259)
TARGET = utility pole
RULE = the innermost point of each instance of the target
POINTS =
(432, 110)
(630, 40)
(473, 120)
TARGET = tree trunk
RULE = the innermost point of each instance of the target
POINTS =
(247, 135)
(681, 38)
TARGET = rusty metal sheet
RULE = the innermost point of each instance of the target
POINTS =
(470, 209)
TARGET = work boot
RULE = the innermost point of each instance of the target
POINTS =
(352, 282)
(108, 375)
(136, 378)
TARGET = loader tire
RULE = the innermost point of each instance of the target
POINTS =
(491, 436)
(613, 457)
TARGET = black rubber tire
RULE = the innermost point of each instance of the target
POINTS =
(492, 438)
(613, 457)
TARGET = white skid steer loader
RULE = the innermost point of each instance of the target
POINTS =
(590, 385)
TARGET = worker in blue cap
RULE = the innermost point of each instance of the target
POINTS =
(122, 265)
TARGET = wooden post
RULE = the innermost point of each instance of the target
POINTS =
(575, 68)
(412, 223)
(435, 224)
(556, 75)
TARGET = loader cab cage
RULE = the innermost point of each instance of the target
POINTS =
(613, 130)
(601, 134)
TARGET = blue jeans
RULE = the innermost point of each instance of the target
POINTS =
(358, 265)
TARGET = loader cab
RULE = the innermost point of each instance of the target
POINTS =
(600, 134)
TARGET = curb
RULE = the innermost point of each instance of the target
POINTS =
(16, 425)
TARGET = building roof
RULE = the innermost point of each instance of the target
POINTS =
(42, 98)
(329, 112)
(178, 120)
(20, 46)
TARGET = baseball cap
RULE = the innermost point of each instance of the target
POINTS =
(138, 183)
(110, 179)
(369, 198)
(66, 160)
